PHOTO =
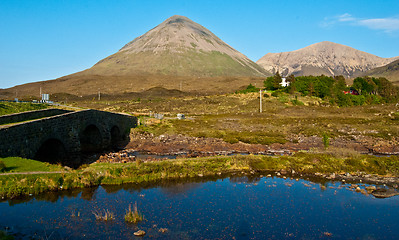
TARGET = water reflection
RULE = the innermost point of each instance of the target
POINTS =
(234, 207)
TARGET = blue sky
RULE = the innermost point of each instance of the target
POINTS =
(47, 39)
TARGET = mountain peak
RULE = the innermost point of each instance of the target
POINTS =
(179, 46)
(177, 19)
(325, 57)
(174, 34)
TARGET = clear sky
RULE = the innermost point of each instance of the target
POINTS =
(47, 39)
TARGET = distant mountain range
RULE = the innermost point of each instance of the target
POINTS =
(390, 71)
(181, 54)
(326, 58)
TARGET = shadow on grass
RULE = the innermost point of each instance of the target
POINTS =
(9, 169)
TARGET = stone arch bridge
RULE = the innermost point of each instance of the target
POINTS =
(60, 135)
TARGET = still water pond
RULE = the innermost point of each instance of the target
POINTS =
(229, 208)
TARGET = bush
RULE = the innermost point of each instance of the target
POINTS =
(326, 140)
(2, 166)
(373, 99)
(283, 98)
(275, 94)
(358, 100)
(250, 88)
(344, 100)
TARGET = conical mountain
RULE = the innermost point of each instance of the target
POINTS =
(177, 54)
(179, 47)
(326, 58)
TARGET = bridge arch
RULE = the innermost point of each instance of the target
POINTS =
(91, 139)
(52, 150)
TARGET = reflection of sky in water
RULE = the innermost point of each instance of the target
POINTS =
(260, 209)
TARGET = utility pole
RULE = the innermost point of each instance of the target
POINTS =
(260, 100)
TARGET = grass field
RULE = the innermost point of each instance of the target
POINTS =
(12, 107)
(17, 164)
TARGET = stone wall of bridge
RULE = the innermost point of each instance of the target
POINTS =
(63, 138)
(30, 115)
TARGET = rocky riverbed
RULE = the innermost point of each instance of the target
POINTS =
(185, 146)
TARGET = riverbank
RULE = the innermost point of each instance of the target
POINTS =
(191, 146)
(323, 166)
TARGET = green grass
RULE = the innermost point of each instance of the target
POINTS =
(12, 107)
(201, 64)
(141, 172)
(17, 164)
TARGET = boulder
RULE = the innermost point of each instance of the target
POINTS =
(139, 233)
(384, 193)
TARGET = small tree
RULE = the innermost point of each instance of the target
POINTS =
(311, 89)
(273, 83)
(291, 80)
(277, 81)
(326, 140)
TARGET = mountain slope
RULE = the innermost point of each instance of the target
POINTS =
(389, 71)
(326, 58)
(180, 47)
(176, 54)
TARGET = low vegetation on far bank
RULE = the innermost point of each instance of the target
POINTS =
(12, 186)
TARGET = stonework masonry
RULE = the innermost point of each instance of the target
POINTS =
(25, 116)
(68, 133)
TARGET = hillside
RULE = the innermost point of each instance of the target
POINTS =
(180, 47)
(326, 58)
(176, 54)
(389, 71)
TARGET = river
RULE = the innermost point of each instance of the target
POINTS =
(227, 208)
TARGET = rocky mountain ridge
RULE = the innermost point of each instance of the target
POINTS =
(326, 58)
(389, 71)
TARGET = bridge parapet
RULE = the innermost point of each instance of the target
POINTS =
(31, 115)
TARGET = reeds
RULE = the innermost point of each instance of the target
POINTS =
(133, 216)
(108, 215)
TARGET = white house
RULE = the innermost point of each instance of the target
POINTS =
(284, 83)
